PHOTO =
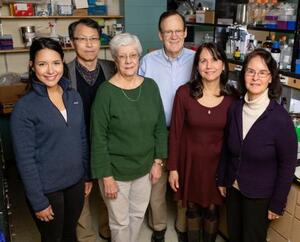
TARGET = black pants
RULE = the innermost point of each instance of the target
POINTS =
(247, 218)
(66, 205)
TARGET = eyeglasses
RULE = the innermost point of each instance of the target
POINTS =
(177, 32)
(261, 74)
(123, 58)
(87, 39)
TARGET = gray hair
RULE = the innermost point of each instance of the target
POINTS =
(124, 39)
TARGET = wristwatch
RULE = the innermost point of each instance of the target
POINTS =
(160, 162)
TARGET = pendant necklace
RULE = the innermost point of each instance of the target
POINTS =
(209, 112)
(131, 99)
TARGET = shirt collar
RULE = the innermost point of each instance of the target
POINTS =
(41, 88)
(172, 59)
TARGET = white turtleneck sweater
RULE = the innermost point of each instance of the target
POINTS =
(251, 112)
(253, 109)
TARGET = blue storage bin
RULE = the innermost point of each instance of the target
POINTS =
(271, 25)
(97, 10)
(297, 69)
(91, 2)
(291, 25)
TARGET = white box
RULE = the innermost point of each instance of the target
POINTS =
(200, 16)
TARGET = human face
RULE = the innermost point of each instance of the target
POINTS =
(127, 60)
(86, 43)
(48, 67)
(172, 35)
(209, 68)
(257, 77)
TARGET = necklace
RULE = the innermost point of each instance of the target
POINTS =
(131, 99)
(209, 112)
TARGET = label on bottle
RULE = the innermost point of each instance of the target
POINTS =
(276, 57)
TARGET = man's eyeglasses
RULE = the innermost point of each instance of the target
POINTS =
(177, 32)
(261, 74)
(87, 39)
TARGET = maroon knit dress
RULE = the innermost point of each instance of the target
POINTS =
(195, 143)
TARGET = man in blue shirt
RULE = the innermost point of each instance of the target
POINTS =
(170, 67)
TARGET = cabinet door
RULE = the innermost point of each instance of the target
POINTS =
(295, 235)
(297, 212)
(283, 225)
(298, 199)
(273, 236)
(291, 201)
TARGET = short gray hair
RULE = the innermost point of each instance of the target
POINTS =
(123, 40)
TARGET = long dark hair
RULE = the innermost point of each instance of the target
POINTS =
(40, 44)
(275, 87)
(196, 84)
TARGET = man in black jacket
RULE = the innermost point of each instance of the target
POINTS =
(86, 73)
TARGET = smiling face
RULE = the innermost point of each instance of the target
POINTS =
(257, 77)
(48, 67)
(127, 60)
(86, 43)
(209, 68)
(172, 35)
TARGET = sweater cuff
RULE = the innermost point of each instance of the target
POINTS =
(37, 207)
(101, 172)
(171, 166)
(277, 206)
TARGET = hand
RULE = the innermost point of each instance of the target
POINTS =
(223, 191)
(87, 188)
(156, 171)
(45, 215)
(174, 180)
(110, 187)
(272, 216)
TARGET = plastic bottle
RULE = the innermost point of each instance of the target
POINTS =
(250, 46)
(251, 8)
(282, 42)
(286, 56)
(267, 45)
(237, 54)
(275, 51)
(259, 44)
(228, 49)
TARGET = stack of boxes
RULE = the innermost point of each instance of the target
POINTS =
(6, 42)
(97, 7)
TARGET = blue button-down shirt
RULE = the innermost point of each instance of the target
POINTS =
(169, 74)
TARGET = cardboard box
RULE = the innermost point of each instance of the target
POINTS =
(209, 16)
(11, 93)
(22, 9)
(80, 12)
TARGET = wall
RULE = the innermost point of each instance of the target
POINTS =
(141, 18)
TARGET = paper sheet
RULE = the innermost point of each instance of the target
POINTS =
(81, 4)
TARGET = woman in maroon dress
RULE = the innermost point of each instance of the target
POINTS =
(196, 137)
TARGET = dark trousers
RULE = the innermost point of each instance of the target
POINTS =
(66, 205)
(247, 218)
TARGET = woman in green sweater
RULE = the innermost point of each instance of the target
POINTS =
(128, 141)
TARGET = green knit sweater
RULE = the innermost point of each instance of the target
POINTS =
(128, 131)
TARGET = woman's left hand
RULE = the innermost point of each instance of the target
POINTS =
(272, 216)
(156, 171)
(87, 188)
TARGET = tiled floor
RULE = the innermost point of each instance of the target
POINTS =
(24, 229)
